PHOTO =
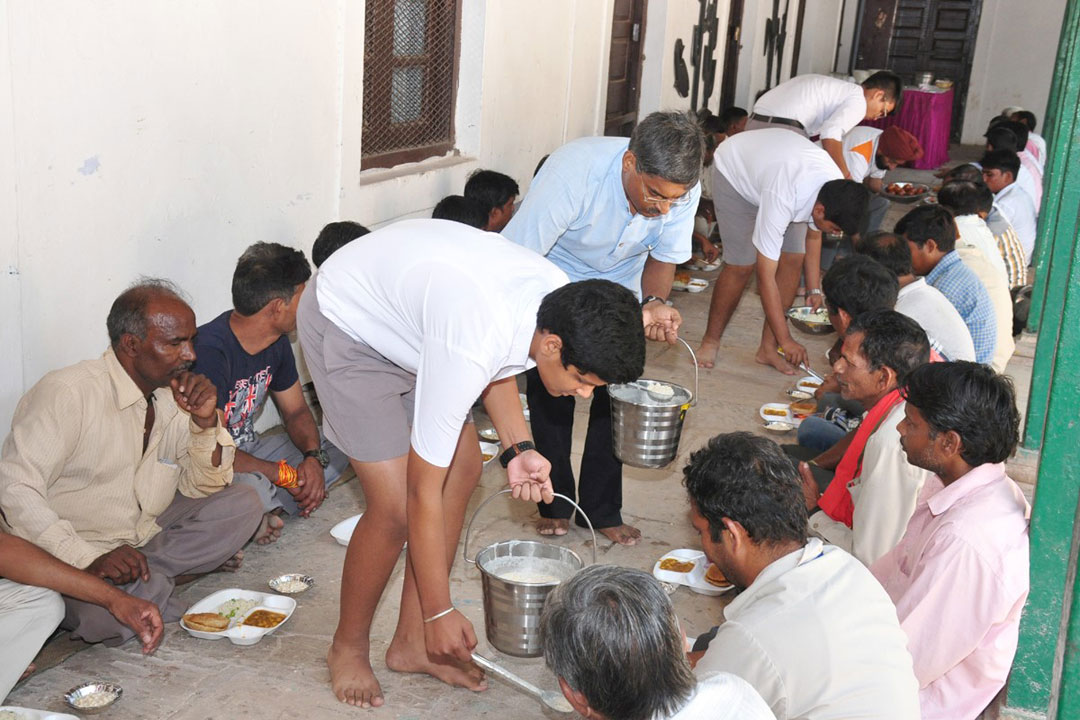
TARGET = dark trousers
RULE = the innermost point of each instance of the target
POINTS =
(552, 420)
(798, 454)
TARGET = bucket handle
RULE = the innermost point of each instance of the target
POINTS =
(468, 531)
(693, 400)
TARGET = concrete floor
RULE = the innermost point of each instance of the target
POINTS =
(285, 675)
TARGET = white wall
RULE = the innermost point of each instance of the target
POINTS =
(163, 138)
(1014, 61)
(820, 27)
(666, 21)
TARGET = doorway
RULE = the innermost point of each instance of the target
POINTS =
(624, 70)
(730, 74)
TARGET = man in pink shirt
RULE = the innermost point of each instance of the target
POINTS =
(959, 576)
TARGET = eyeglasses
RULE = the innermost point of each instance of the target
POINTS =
(654, 200)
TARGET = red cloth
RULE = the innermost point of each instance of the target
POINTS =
(928, 116)
(836, 501)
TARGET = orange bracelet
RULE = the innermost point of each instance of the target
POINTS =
(286, 475)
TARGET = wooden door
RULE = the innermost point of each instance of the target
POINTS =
(875, 34)
(624, 70)
(730, 73)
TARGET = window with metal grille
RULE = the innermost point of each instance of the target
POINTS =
(410, 77)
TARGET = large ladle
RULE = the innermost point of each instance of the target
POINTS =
(551, 699)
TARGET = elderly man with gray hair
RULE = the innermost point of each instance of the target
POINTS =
(621, 210)
(612, 638)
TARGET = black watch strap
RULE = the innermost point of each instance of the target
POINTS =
(320, 456)
(649, 298)
(514, 450)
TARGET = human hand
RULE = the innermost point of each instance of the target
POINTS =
(311, 486)
(709, 251)
(198, 396)
(529, 475)
(815, 300)
(794, 353)
(141, 616)
(121, 566)
(450, 637)
(811, 493)
(661, 321)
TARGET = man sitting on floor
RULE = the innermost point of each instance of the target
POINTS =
(866, 506)
(931, 237)
(30, 612)
(1000, 168)
(923, 303)
(496, 193)
(611, 636)
(121, 465)
(245, 352)
(962, 564)
(812, 630)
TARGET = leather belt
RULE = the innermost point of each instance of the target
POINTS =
(777, 120)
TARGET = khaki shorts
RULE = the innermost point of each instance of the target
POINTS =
(735, 220)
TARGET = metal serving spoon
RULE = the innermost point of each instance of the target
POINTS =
(553, 700)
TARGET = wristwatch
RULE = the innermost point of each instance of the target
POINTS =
(320, 456)
(514, 450)
(649, 298)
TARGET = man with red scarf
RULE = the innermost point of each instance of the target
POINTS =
(866, 506)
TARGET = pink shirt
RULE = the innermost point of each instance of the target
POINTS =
(959, 579)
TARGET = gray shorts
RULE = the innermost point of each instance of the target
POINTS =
(367, 401)
(735, 219)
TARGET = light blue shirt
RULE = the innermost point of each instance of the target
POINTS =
(968, 295)
(577, 214)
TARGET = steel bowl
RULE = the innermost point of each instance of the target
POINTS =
(814, 323)
(277, 583)
(72, 696)
(906, 198)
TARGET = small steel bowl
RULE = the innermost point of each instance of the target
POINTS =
(801, 318)
(779, 426)
(277, 583)
(72, 696)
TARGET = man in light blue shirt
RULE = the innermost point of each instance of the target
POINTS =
(623, 211)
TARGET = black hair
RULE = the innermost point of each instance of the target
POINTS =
(893, 340)
(857, 284)
(599, 323)
(1001, 137)
(1003, 160)
(984, 198)
(459, 208)
(929, 222)
(127, 316)
(492, 189)
(1020, 130)
(266, 272)
(967, 171)
(888, 249)
(670, 146)
(712, 124)
(333, 237)
(961, 197)
(731, 115)
(971, 400)
(890, 82)
(1027, 117)
(747, 478)
(540, 164)
(847, 203)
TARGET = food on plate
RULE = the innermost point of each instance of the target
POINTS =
(487, 456)
(291, 586)
(775, 412)
(99, 698)
(803, 407)
(904, 190)
(264, 619)
(206, 622)
(777, 426)
(682, 276)
(676, 565)
(713, 576)
(236, 607)
(9, 715)
(810, 384)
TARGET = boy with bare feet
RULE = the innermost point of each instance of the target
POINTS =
(402, 330)
(605, 207)
(774, 193)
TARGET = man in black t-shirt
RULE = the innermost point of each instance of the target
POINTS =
(246, 354)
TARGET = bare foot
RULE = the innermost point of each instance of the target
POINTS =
(351, 677)
(622, 534)
(774, 360)
(30, 670)
(232, 564)
(269, 529)
(401, 657)
(552, 526)
(706, 353)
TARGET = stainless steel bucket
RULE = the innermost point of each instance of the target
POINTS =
(512, 608)
(646, 434)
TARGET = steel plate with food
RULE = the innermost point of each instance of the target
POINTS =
(242, 616)
(814, 322)
(93, 697)
(694, 577)
(905, 192)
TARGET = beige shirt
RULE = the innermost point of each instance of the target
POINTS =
(997, 287)
(74, 479)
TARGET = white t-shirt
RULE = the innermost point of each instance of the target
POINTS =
(825, 106)
(1015, 204)
(779, 172)
(975, 232)
(860, 153)
(997, 288)
(926, 305)
(450, 303)
(817, 637)
(723, 696)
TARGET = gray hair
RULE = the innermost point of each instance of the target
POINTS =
(669, 145)
(611, 633)
(127, 316)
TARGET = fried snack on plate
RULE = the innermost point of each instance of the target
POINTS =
(676, 565)
(713, 576)
(206, 622)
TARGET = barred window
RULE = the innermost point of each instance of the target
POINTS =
(410, 78)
